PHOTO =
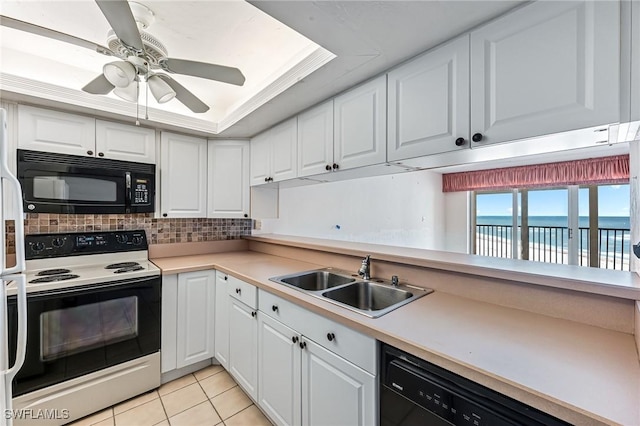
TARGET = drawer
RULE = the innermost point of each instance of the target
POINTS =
(242, 291)
(339, 339)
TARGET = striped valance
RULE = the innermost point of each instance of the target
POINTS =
(592, 171)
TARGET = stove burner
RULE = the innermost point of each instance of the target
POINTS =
(53, 278)
(122, 265)
(129, 269)
(53, 272)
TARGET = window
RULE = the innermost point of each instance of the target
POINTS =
(575, 225)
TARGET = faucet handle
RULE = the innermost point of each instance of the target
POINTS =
(394, 281)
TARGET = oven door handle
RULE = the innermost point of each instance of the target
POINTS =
(10, 373)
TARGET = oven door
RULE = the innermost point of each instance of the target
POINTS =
(75, 331)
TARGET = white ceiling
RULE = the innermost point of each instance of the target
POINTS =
(368, 38)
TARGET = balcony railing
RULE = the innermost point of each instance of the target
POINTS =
(550, 244)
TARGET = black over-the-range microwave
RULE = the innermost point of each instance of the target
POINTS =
(60, 183)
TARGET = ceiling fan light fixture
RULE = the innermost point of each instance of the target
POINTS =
(160, 89)
(119, 73)
(129, 93)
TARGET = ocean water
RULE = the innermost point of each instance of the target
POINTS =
(614, 235)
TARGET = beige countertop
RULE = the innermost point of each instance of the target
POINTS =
(591, 280)
(581, 373)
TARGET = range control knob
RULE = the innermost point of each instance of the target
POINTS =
(121, 238)
(57, 242)
(137, 240)
(39, 246)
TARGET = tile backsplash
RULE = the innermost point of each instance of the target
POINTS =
(159, 231)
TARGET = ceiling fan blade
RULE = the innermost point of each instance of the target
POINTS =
(16, 24)
(200, 69)
(183, 95)
(119, 15)
(98, 86)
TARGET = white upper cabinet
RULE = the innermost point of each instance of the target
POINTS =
(360, 125)
(547, 67)
(127, 143)
(54, 131)
(315, 140)
(635, 60)
(228, 179)
(428, 110)
(273, 154)
(183, 176)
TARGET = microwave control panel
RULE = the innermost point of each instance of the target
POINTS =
(141, 189)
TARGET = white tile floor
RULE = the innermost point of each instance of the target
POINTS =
(208, 397)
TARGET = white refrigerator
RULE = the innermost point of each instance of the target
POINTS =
(7, 274)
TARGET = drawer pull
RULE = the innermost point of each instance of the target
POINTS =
(331, 336)
(303, 345)
(238, 291)
(274, 308)
(294, 339)
(226, 277)
(254, 313)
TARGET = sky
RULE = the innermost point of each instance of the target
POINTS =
(613, 200)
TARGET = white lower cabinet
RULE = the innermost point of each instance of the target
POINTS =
(221, 335)
(188, 303)
(334, 391)
(243, 338)
(279, 366)
(312, 370)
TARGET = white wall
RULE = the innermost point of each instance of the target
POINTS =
(406, 209)
(634, 188)
(457, 221)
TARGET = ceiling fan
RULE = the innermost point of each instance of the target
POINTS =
(141, 56)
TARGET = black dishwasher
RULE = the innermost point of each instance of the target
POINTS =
(414, 392)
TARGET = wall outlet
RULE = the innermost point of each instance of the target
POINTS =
(257, 224)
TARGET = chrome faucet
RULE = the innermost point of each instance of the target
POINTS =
(365, 268)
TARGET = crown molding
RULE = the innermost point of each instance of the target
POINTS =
(311, 61)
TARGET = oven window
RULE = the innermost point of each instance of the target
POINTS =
(64, 332)
(74, 188)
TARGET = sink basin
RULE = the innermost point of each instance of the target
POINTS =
(372, 298)
(368, 296)
(315, 280)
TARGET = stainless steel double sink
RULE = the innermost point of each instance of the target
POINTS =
(373, 297)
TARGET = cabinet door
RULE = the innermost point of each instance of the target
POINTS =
(334, 391)
(169, 323)
(228, 179)
(315, 140)
(279, 360)
(222, 321)
(183, 176)
(429, 103)
(260, 159)
(243, 346)
(360, 125)
(284, 150)
(127, 143)
(635, 60)
(196, 307)
(53, 131)
(545, 68)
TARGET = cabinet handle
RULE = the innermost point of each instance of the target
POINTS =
(335, 166)
(327, 167)
(270, 179)
(266, 179)
(246, 215)
(164, 215)
(294, 339)
(254, 313)
(90, 152)
(477, 137)
(274, 308)
(331, 336)
(238, 291)
(460, 141)
(226, 277)
(101, 154)
(303, 345)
